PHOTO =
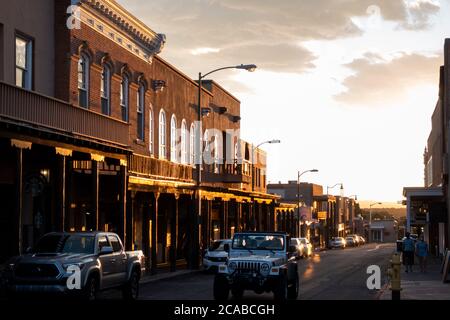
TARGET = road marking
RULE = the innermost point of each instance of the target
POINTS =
(376, 248)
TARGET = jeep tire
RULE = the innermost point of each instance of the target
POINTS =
(90, 290)
(221, 288)
(280, 291)
(293, 288)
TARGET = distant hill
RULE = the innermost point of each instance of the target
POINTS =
(366, 203)
(392, 208)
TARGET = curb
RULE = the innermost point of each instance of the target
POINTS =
(164, 276)
(382, 290)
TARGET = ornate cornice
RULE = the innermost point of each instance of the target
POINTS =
(115, 15)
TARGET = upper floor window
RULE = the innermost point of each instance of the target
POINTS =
(105, 90)
(140, 112)
(173, 139)
(124, 101)
(151, 129)
(83, 80)
(24, 63)
(184, 142)
(162, 134)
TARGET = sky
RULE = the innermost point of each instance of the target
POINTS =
(348, 86)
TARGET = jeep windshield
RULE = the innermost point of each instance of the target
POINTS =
(54, 243)
(253, 242)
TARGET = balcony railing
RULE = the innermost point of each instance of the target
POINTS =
(227, 173)
(33, 108)
(160, 169)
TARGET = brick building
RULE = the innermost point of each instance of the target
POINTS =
(98, 133)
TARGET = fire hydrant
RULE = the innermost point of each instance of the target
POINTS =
(394, 275)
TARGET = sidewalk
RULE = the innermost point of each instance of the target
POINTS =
(421, 286)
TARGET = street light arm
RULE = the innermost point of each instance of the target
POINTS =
(249, 67)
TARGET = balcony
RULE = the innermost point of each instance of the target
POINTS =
(31, 108)
(227, 173)
(160, 169)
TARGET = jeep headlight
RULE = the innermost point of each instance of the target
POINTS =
(264, 269)
(232, 266)
(67, 265)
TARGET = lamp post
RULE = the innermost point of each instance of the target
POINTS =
(370, 219)
(352, 218)
(328, 209)
(299, 174)
(253, 159)
(198, 159)
(253, 174)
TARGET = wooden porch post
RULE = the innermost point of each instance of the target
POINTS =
(154, 242)
(174, 232)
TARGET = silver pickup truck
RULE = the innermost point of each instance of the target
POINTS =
(79, 264)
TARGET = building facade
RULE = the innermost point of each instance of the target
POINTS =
(99, 133)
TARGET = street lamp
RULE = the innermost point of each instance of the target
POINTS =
(328, 208)
(253, 159)
(299, 174)
(198, 155)
(370, 211)
(337, 184)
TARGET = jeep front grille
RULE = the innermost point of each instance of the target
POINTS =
(247, 266)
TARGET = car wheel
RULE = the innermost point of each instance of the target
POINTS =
(237, 293)
(221, 288)
(293, 289)
(131, 289)
(280, 292)
(90, 292)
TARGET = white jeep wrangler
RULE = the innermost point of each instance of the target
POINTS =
(258, 261)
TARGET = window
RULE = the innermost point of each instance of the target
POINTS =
(124, 101)
(105, 86)
(24, 61)
(83, 81)
(173, 139)
(192, 145)
(184, 143)
(216, 154)
(162, 134)
(102, 242)
(140, 112)
(115, 244)
(151, 129)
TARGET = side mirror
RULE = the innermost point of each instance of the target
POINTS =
(106, 250)
(28, 250)
(226, 247)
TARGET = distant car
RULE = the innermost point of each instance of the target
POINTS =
(307, 247)
(351, 241)
(215, 255)
(338, 242)
(361, 239)
(295, 242)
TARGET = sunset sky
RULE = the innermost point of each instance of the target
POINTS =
(348, 86)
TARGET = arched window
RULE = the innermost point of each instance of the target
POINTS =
(173, 139)
(151, 129)
(162, 134)
(83, 81)
(192, 145)
(124, 100)
(216, 154)
(184, 142)
(105, 89)
(140, 111)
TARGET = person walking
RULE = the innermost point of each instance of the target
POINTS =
(408, 252)
(422, 254)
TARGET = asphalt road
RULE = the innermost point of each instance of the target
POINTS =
(328, 275)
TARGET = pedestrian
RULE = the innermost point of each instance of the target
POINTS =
(408, 252)
(422, 254)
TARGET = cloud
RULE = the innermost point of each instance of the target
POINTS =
(377, 81)
(253, 29)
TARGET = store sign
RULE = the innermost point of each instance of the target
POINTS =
(322, 215)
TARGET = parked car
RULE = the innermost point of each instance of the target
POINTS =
(351, 241)
(99, 257)
(298, 253)
(307, 247)
(338, 242)
(215, 255)
(361, 239)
